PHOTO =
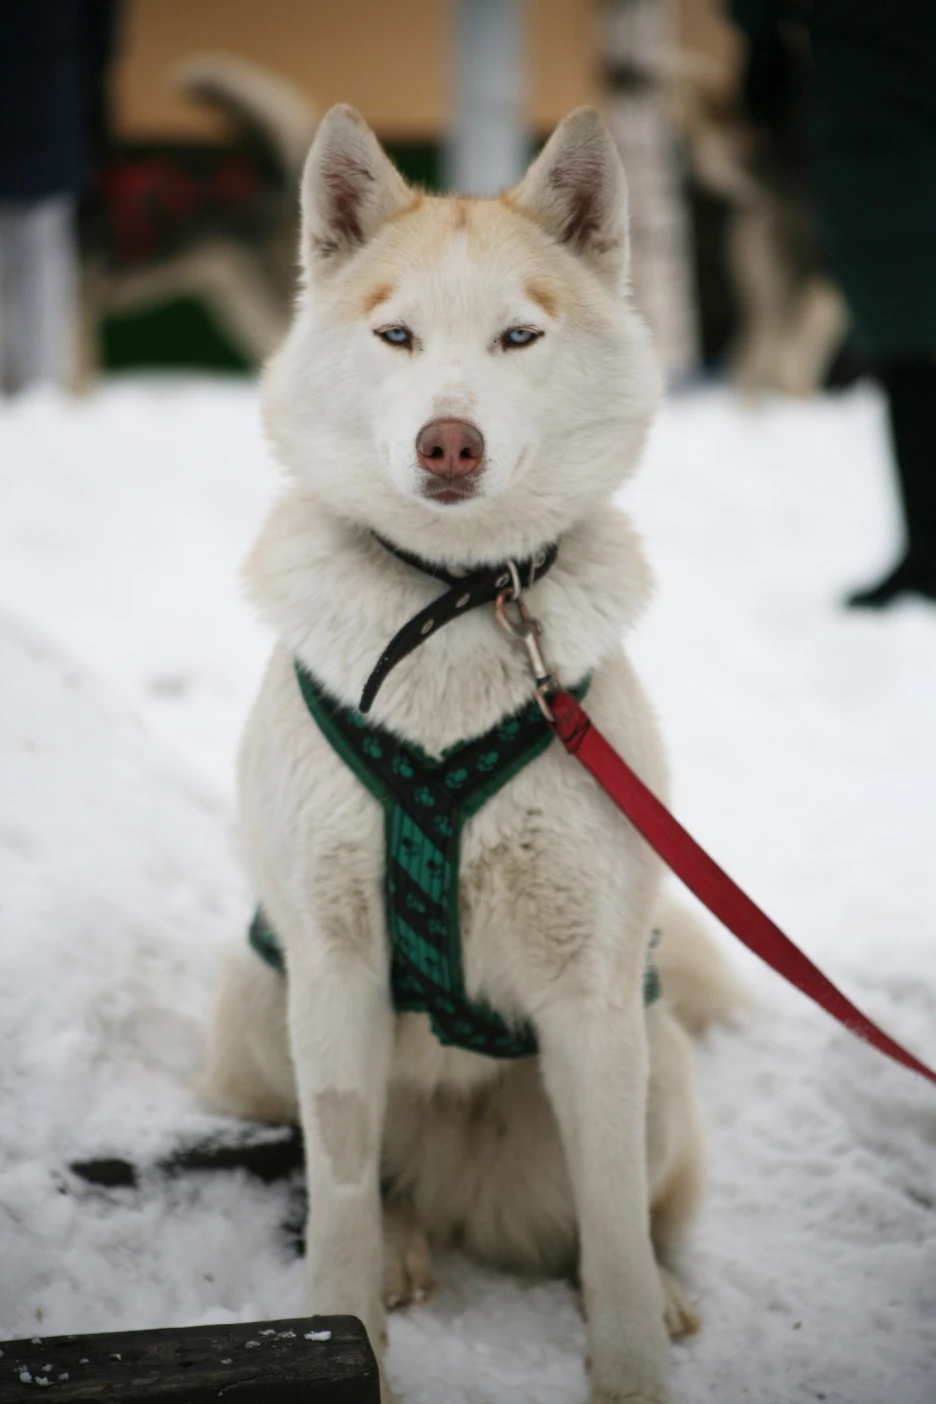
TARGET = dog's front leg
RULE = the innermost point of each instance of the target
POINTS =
(340, 1027)
(594, 1061)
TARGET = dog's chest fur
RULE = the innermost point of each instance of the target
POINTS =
(543, 862)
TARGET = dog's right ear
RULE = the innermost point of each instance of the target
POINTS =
(349, 189)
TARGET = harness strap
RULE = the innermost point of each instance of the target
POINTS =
(708, 881)
(466, 593)
(426, 803)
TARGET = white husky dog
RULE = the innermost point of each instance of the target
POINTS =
(469, 379)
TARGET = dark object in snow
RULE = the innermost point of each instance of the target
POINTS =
(273, 1155)
(111, 1172)
(310, 1360)
(268, 1153)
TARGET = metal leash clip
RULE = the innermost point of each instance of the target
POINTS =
(526, 630)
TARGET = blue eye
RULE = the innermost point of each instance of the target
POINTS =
(519, 336)
(396, 336)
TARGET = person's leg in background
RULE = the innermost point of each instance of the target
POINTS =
(868, 122)
(54, 61)
(910, 386)
(872, 131)
(38, 285)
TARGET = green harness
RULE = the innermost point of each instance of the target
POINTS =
(426, 804)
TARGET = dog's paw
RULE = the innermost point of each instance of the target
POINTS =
(407, 1277)
(603, 1397)
(680, 1315)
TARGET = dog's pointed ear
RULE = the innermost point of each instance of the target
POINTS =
(576, 190)
(349, 189)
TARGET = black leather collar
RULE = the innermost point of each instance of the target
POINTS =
(466, 592)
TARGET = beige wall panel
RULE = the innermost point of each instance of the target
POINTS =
(563, 59)
(388, 57)
(382, 55)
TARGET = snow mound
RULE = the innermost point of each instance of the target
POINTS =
(124, 518)
(118, 889)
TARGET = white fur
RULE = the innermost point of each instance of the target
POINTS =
(572, 1158)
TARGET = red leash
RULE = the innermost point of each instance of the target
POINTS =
(706, 879)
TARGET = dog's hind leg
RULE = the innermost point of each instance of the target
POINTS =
(680, 1315)
(249, 1070)
(407, 1269)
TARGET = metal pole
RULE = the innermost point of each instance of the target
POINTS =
(488, 144)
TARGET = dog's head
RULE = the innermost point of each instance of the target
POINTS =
(466, 376)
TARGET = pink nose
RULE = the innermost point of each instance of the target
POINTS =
(451, 448)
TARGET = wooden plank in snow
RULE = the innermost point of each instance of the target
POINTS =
(311, 1360)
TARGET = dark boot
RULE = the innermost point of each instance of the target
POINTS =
(910, 386)
(907, 578)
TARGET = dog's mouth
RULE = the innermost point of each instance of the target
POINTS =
(449, 492)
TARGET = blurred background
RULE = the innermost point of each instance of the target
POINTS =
(169, 135)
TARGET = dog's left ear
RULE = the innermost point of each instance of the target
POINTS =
(350, 188)
(577, 191)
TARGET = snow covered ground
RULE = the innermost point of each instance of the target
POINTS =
(804, 752)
